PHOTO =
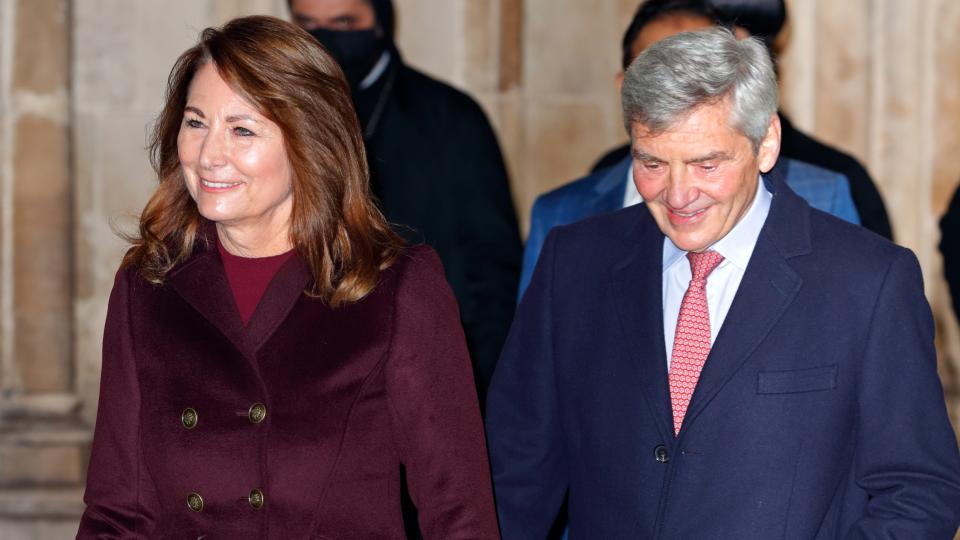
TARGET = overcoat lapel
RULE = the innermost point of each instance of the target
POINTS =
(281, 295)
(768, 288)
(636, 289)
(202, 283)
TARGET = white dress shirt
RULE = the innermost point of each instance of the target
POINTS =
(722, 284)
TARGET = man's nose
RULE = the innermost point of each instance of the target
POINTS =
(680, 192)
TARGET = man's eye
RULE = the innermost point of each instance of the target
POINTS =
(652, 166)
(708, 168)
(343, 23)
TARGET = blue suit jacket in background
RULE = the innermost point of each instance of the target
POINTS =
(818, 414)
(603, 192)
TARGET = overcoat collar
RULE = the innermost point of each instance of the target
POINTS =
(768, 287)
(202, 283)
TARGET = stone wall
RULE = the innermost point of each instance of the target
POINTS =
(80, 82)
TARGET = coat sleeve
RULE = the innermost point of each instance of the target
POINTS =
(527, 452)
(434, 408)
(488, 247)
(119, 496)
(907, 459)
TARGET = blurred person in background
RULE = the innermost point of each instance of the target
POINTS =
(435, 166)
(273, 353)
(611, 186)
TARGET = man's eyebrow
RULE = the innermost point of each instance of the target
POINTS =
(640, 155)
(719, 155)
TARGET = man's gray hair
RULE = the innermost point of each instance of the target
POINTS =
(682, 72)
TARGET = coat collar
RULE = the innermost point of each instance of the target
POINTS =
(202, 283)
(768, 287)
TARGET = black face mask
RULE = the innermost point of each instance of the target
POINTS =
(357, 51)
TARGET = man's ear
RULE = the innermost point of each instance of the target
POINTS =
(619, 80)
(770, 146)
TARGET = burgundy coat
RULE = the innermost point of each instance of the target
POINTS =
(348, 395)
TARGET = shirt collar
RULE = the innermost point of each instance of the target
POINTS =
(737, 246)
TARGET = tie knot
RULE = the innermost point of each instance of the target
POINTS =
(701, 264)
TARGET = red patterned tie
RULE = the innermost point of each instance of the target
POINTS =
(691, 343)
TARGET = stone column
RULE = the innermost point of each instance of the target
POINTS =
(42, 445)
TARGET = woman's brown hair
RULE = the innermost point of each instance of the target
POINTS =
(289, 78)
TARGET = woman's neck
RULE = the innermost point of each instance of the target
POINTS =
(253, 242)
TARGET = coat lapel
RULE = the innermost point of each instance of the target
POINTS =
(202, 283)
(768, 288)
(281, 295)
(636, 289)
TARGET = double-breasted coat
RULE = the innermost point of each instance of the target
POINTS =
(295, 426)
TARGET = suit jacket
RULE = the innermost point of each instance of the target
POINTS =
(438, 173)
(603, 191)
(350, 396)
(818, 413)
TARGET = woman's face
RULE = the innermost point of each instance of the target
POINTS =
(233, 159)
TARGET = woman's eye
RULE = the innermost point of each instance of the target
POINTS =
(243, 132)
(193, 123)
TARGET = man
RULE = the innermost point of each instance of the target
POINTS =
(435, 165)
(739, 365)
(611, 187)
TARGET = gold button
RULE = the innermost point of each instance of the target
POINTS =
(257, 412)
(189, 418)
(195, 502)
(256, 499)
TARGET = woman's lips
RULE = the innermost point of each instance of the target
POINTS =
(214, 187)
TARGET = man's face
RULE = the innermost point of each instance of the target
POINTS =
(333, 14)
(699, 177)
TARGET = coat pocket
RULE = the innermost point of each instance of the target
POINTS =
(798, 380)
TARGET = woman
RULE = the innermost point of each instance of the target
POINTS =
(272, 355)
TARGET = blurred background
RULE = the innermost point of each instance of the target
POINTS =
(81, 80)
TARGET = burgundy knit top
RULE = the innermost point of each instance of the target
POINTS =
(249, 278)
